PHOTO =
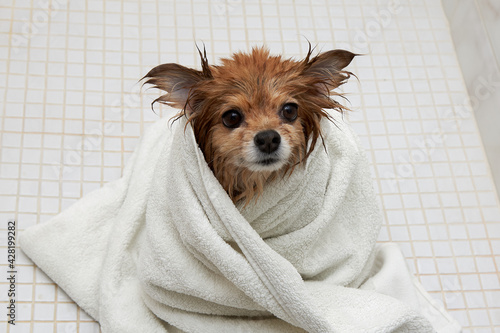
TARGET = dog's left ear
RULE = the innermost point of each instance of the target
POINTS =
(328, 67)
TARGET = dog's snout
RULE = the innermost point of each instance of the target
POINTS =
(267, 141)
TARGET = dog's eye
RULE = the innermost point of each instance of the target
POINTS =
(289, 111)
(232, 118)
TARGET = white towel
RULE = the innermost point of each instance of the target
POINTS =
(164, 249)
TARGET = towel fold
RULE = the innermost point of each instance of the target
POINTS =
(164, 249)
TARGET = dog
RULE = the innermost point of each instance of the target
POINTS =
(256, 116)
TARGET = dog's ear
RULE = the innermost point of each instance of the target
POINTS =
(328, 67)
(176, 80)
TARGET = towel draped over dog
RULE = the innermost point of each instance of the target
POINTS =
(164, 249)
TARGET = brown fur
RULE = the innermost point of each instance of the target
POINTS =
(258, 85)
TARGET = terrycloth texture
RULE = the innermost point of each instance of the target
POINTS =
(164, 248)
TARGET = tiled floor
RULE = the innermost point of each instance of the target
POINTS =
(72, 113)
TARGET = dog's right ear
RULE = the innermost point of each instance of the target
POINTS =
(177, 81)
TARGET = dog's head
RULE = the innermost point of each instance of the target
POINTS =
(254, 113)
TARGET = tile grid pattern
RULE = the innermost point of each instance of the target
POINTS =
(72, 114)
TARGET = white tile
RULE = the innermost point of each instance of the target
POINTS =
(43, 327)
(49, 205)
(20, 326)
(423, 249)
(41, 277)
(461, 248)
(485, 264)
(472, 214)
(477, 231)
(492, 214)
(415, 217)
(384, 235)
(44, 311)
(481, 247)
(495, 319)
(442, 248)
(446, 265)
(71, 327)
(468, 199)
(399, 233)
(62, 296)
(435, 216)
(495, 244)
(112, 173)
(475, 299)
(490, 281)
(9, 187)
(479, 317)
(411, 201)
(457, 231)
(431, 283)
(471, 282)
(493, 299)
(454, 301)
(426, 266)
(50, 189)
(45, 293)
(461, 317)
(71, 190)
(396, 217)
(24, 292)
(66, 312)
(453, 215)
(418, 233)
(392, 202)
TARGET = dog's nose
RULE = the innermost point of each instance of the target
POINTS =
(267, 141)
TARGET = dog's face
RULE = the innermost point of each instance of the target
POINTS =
(255, 114)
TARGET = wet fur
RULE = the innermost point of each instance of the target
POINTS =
(257, 84)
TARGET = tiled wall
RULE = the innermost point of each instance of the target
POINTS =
(475, 29)
(72, 113)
